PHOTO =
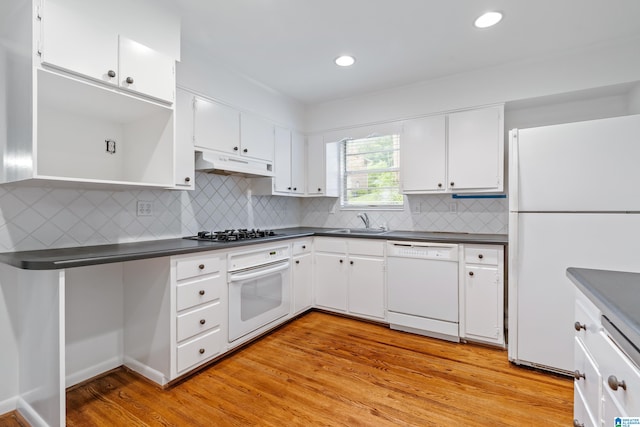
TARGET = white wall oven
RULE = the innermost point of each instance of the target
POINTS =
(259, 289)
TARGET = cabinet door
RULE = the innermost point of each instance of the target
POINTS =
(257, 136)
(282, 162)
(216, 127)
(146, 71)
(483, 299)
(331, 281)
(315, 165)
(366, 286)
(297, 163)
(302, 283)
(73, 42)
(423, 155)
(184, 160)
(475, 150)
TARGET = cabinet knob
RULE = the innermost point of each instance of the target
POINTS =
(203, 321)
(577, 423)
(295, 188)
(351, 262)
(471, 273)
(452, 183)
(614, 383)
(201, 266)
(297, 261)
(577, 375)
(187, 179)
(439, 185)
(288, 188)
(579, 326)
(319, 189)
(341, 261)
(480, 256)
(129, 80)
(245, 150)
(235, 148)
(304, 246)
(201, 292)
(201, 351)
(111, 73)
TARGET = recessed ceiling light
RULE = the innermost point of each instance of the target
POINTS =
(488, 19)
(345, 60)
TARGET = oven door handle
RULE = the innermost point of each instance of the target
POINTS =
(236, 277)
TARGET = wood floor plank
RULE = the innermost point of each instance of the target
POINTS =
(328, 370)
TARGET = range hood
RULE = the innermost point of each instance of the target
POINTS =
(229, 164)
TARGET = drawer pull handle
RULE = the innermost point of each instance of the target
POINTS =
(579, 326)
(201, 292)
(129, 80)
(201, 266)
(614, 383)
(201, 351)
(203, 321)
(111, 73)
(471, 273)
(577, 375)
(577, 423)
(480, 256)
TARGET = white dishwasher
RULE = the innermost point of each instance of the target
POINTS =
(422, 284)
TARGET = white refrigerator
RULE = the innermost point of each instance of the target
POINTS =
(574, 201)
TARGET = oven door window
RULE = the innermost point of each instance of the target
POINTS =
(260, 296)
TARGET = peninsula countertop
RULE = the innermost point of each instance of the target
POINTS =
(53, 259)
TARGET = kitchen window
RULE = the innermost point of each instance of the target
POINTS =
(370, 169)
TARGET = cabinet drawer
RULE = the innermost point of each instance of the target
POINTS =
(613, 363)
(195, 352)
(587, 323)
(488, 255)
(198, 321)
(302, 247)
(199, 292)
(366, 247)
(197, 266)
(330, 244)
(581, 415)
(589, 385)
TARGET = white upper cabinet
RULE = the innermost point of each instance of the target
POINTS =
(256, 137)
(282, 163)
(476, 150)
(80, 44)
(458, 152)
(183, 159)
(423, 150)
(289, 176)
(297, 163)
(216, 126)
(322, 167)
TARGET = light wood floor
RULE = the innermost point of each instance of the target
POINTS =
(328, 370)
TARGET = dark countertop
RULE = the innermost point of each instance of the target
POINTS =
(617, 296)
(53, 259)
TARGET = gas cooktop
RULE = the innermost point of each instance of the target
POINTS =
(232, 235)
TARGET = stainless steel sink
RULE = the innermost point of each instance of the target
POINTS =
(362, 231)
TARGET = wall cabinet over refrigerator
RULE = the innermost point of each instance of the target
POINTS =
(67, 124)
(456, 152)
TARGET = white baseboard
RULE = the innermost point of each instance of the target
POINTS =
(29, 414)
(92, 371)
(8, 405)
(150, 373)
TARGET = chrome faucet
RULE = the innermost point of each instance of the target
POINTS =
(365, 218)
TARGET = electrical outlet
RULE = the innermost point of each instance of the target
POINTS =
(144, 208)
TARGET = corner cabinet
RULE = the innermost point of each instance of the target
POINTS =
(456, 152)
(71, 119)
(482, 294)
(349, 277)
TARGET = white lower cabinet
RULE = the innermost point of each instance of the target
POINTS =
(302, 276)
(350, 276)
(607, 382)
(482, 304)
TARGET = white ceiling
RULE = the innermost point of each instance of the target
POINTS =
(289, 45)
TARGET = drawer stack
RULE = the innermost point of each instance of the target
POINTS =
(199, 287)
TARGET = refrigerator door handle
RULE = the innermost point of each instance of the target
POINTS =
(513, 171)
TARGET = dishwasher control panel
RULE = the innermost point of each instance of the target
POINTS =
(443, 251)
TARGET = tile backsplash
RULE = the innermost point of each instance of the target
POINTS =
(43, 217)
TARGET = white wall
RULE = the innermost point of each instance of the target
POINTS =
(8, 339)
(599, 66)
(207, 76)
